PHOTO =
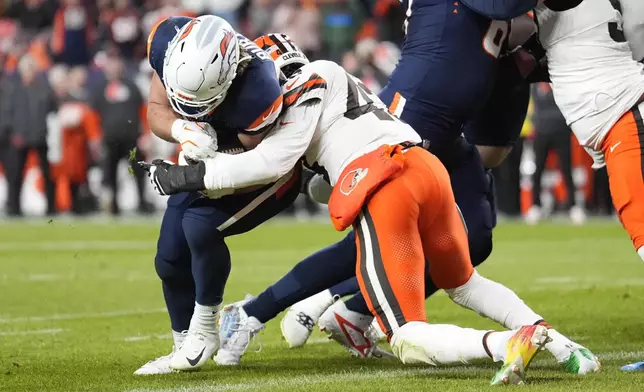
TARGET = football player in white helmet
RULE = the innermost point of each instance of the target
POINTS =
(211, 87)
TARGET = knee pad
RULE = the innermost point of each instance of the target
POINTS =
(471, 185)
(170, 269)
(480, 245)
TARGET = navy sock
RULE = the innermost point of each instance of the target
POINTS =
(348, 287)
(357, 304)
(210, 256)
(329, 266)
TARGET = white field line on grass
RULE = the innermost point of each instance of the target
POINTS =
(28, 246)
(345, 377)
(164, 336)
(621, 355)
(308, 380)
(115, 246)
(123, 275)
(79, 316)
(34, 332)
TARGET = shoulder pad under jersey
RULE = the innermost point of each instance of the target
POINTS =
(310, 83)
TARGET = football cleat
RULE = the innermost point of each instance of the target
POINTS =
(238, 329)
(352, 330)
(581, 361)
(156, 366)
(634, 367)
(300, 319)
(196, 349)
(520, 349)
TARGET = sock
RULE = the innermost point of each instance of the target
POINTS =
(496, 344)
(349, 286)
(323, 269)
(560, 346)
(494, 301)
(178, 337)
(205, 318)
(438, 344)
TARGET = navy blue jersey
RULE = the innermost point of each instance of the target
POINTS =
(501, 9)
(254, 100)
(447, 68)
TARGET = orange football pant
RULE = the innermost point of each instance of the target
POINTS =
(408, 222)
(623, 150)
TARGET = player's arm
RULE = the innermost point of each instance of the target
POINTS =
(160, 114)
(274, 157)
(633, 14)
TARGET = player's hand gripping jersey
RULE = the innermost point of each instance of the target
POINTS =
(595, 79)
(254, 99)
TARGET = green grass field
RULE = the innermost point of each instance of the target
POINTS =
(81, 309)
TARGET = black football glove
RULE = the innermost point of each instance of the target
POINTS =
(169, 179)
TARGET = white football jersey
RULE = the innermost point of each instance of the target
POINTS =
(594, 77)
(353, 120)
(330, 119)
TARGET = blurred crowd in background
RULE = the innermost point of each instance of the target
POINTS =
(74, 78)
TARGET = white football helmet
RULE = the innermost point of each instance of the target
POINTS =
(200, 65)
(287, 56)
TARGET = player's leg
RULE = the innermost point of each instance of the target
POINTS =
(471, 188)
(110, 168)
(298, 322)
(172, 263)
(444, 243)
(210, 263)
(498, 126)
(563, 147)
(322, 269)
(391, 269)
(451, 270)
(622, 149)
(541, 147)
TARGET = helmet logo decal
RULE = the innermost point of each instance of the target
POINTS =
(188, 29)
(228, 66)
(225, 42)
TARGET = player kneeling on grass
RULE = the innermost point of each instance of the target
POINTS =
(399, 200)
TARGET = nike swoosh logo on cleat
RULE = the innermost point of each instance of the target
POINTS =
(194, 361)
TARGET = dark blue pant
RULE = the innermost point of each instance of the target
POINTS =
(192, 258)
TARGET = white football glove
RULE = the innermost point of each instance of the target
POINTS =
(198, 139)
